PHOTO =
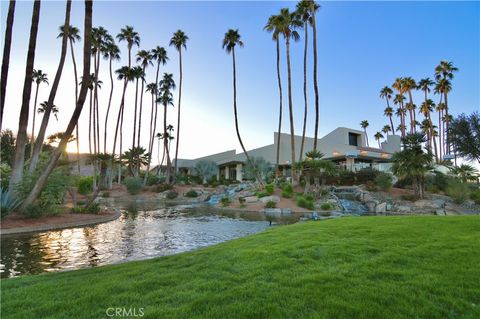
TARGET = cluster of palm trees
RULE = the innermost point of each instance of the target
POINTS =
(98, 44)
(401, 94)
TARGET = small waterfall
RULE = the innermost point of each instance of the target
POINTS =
(348, 201)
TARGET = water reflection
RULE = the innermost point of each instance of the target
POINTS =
(131, 237)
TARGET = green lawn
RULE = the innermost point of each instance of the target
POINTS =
(368, 267)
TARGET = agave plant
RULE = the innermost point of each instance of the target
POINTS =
(8, 202)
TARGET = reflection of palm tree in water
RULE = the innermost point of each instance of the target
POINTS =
(92, 252)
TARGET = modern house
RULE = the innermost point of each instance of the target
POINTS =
(344, 146)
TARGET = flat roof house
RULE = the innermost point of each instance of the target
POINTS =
(344, 146)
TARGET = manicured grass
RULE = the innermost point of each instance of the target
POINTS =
(368, 267)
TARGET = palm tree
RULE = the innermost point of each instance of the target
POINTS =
(230, 41)
(43, 108)
(125, 73)
(288, 22)
(166, 98)
(39, 77)
(53, 92)
(443, 73)
(401, 111)
(179, 40)
(19, 159)
(465, 172)
(73, 36)
(274, 26)
(412, 162)
(145, 59)
(378, 136)
(135, 158)
(152, 88)
(443, 87)
(386, 129)
(409, 84)
(426, 108)
(111, 52)
(138, 74)
(129, 35)
(440, 109)
(386, 93)
(364, 124)
(313, 8)
(304, 15)
(6, 57)
(42, 179)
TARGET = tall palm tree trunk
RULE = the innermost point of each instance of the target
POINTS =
(135, 115)
(315, 84)
(19, 159)
(280, 108)
(140, 111)
(235, 109)
(90, 124)
(165, 145)
(118, 131)
(447, 124)
(6, 57)
(179, 103)
(33, 120)
(290, 109)
(108, 108)
(304, 92)
(53, 92)
(42, 180)
(390, 117)
(150, 139)
(97, 108)
(366, 135)
(440, 156)
(76, 98)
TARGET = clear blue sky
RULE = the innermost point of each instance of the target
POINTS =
(362, 47)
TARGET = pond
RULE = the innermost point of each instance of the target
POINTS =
(134, 236)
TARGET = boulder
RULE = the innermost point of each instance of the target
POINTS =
(404, 209)
(371, 206)
(381, 208)
(251, 199)
(272, 198)
(440, 212)
(425, 203)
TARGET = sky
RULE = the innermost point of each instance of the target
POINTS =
(362, 46)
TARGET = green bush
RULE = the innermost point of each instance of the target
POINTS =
(459, 191)
(225, 201)
(370, 186)
(134, 185)
(85, 185)
(303, 202)
(383, 181)
(271, 204)
(191, 193)
(8, 202)
(172, 194)
(346, 178)
(326, 206)
(436, 182)
(261, 194)
(5, 171)
(309, 198)
(34, 211)
(163, 187)
(475, 196)
(365, 175)
(93, 208)
(154, 179)
(287, 191)
(269, 188)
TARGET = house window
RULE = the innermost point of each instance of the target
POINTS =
(353, 139)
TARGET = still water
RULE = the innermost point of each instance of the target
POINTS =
(136, 236)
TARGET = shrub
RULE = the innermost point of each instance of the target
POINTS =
(85, 185)
(271, 204)
(33, 211)
(8, 202)
(225, 201)
(475, 196)
(172, 194)
(457, 190)
(261, 194)
(436, 182)
(303, 202)
(134, 185)
(5, 171)
(310, 198)
(346, 178)
(287, 191)
(93, 208)
(163, 187)
(403, 182)
(132, 207)
(370, 186)
(383, 181)
(269, 188)
(154, 179)
(191, 193)
(365, 175)
(326, 206)
(106, 194)
(409, 197)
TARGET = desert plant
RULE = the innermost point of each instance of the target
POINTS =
(163, 187)
(475, 196)
(134, 185)
(225, 201)
(303, 202)
(269, 188)
(172, 194)
(383, 181)
(33, 211)
(271, 204)
(459, 191)
(85, 185)
(287, 191)
(326, 206)
(8, 202)
(191, 193)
